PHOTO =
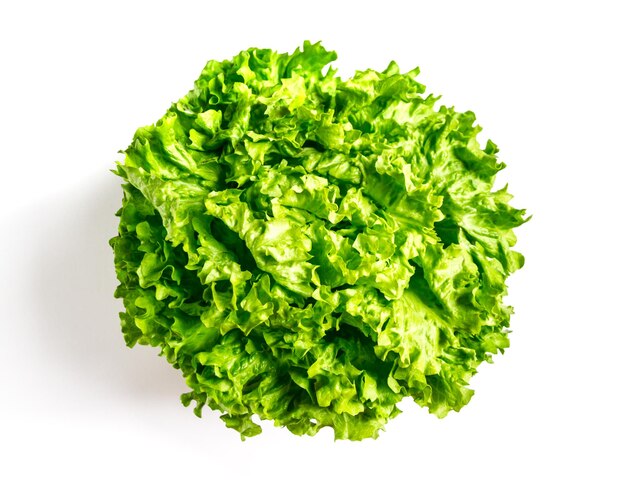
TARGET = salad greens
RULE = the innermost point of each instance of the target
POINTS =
(312, 250)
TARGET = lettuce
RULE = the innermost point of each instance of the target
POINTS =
(312, 250)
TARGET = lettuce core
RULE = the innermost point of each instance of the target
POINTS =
(312, 250)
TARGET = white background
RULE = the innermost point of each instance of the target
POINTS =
(79, 409)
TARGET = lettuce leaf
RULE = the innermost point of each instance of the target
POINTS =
(312, 250)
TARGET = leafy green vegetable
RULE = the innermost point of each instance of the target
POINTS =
(312, 250)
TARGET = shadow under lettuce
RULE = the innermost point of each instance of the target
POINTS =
(74, 280)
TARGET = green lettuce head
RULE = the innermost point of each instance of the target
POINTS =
(312, 250)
